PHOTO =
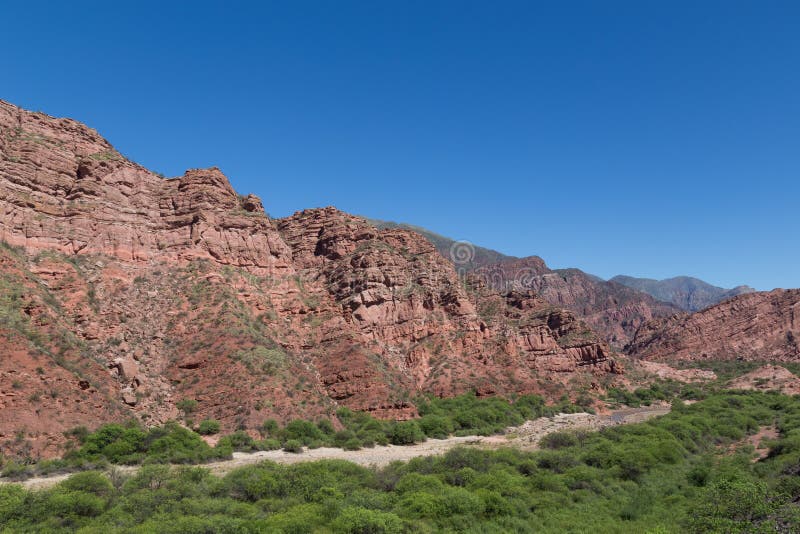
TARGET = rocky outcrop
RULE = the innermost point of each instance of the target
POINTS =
(402, 296)
(133, 292)
(665, 372)
(608, 307)
(754, 326)
(613, 309)
(65, 188)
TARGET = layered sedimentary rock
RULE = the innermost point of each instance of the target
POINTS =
(753, 326)
(125, 293)
(608, 307)
(612, 309)
(66, 189)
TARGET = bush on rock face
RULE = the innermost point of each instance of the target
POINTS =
(208, 427)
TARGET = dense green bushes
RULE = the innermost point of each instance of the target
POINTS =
(208, 427)
(131, 444)
(440, 418)
(663, 390)
(172, 443)
(688, 471)
(126, 444)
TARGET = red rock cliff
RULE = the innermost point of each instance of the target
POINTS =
(753, 326)
(125, 292)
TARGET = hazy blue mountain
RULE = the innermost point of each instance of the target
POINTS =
(690, 294)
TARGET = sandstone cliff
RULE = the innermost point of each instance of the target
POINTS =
(609, 307)
(125, 293)
(753, 326)
(612, 309)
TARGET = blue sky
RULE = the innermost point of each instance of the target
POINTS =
(646, 138)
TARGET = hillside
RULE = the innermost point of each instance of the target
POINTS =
(687, 293)
(749, 327)
(126, 294)
(611, 309)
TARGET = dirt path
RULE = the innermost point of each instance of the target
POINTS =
(526, 436)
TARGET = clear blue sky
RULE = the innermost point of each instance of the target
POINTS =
(645, 138)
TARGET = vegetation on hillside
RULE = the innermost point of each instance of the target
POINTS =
(171, 443)
(690, 471)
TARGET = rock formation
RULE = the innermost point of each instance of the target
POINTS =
(768, 378)
(608, 307)
(753, 326)
(125, 293)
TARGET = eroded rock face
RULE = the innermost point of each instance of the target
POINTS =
(753, 326)
(67, 189)
(132, 292)
(608, 307)
(399, 293)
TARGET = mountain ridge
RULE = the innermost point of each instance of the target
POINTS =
(688, 293)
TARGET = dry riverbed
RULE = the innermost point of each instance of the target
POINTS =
(525, 436)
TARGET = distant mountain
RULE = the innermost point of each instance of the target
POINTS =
(690, 294)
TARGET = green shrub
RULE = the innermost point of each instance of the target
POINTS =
(72, 505)
(208, 427)
(268, 360)
(240, 441)
(416, 482)
(303, 431)
(356, 520)
(298, 519)
(269, 428)
(15, 470)
(131, 444)
(12, 502)
(187, 406)
(436, 426)
(405, 433)
(325, 426)
(352, 444)
(558, 440)
(88, 482)
(293, 445)
(270, 444)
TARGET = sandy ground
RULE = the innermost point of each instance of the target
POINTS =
(525, 437)
(768, 378)
(664, 371)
